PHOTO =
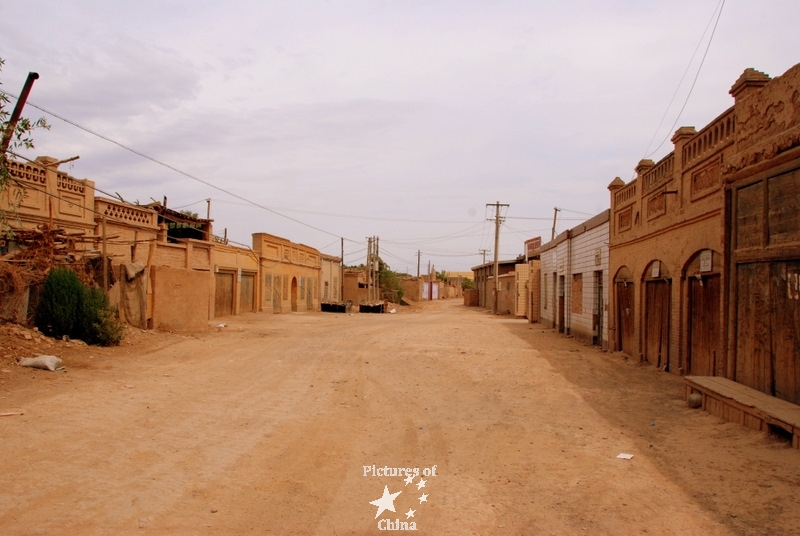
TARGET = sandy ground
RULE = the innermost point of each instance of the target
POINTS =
(273, 424)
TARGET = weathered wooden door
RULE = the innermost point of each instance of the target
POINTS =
(768, 328)
(293, 295)
(276, 294)
(704, 325)
(597, 316)
(785, 299)
(753, 338)
(561, 319)
(656, 322)
(625, 318)
(554, 314)
(223, 294)
(247, 293)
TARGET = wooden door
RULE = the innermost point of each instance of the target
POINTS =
(704, 325)
(276, 294)
(247, 293)
(561, 304)
(223, 294)
(785, 300)
(656, 322)
(625, 318)
(597, 317)
(753, 333)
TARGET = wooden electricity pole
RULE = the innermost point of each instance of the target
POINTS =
(497, 222)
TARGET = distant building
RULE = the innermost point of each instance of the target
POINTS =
(574, 281)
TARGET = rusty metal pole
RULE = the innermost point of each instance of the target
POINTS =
(17, 113)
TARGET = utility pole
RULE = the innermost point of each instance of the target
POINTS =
(341, 275)
(555, 214)
(369, 267)
(418, 257)
(208, 218)
(377, 269)
(483, 251)
(497, 221)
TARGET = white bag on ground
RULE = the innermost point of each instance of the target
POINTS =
(46, 362)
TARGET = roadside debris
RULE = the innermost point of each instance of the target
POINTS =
(624, 456)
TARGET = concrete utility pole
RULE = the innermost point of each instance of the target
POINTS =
(497, 222)
(418, 257)
(484, 252)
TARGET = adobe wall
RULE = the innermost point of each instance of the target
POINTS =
(48, 196)
(767, 117)
(290, 274)
(129, 230)
(180, 298)
(331, 280)
(471, 297)
(507, 296)
(669, 213)
(412, 288)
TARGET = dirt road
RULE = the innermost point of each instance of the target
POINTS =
(295, 424)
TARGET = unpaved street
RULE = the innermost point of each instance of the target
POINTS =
(273, 424)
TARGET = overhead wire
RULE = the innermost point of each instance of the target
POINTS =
(718, 13)
(249, 202)
(172, 168)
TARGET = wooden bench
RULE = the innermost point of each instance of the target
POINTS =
(738, 403)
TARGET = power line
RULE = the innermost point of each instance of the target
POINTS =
(696, 76)
(173, 168)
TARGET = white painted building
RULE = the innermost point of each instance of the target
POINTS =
(574, 281)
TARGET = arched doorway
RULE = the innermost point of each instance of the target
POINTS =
(624, 292)
(294, 295)
(657, 305)
(704, 314)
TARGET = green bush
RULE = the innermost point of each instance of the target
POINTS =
(59, 301)
(98, 321)
(68, 307)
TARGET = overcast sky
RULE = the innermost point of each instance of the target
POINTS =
(315, 120)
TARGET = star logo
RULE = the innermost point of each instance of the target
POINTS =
(386, 502)
(420, 484)
(423, 498)
(410, 513)
(409, 479)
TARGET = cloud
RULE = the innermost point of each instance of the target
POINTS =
(425, 110)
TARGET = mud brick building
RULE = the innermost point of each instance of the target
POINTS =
(167, 269)
(290, 272)
(705, 245)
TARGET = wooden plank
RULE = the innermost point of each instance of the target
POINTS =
(752, 401)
